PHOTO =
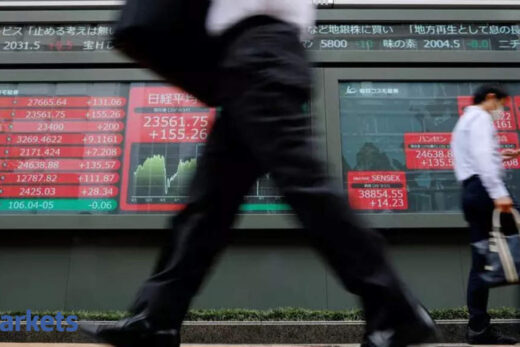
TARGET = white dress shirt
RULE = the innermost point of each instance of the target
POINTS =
(476, 151)
(223, 14)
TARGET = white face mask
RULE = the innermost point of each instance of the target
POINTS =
(498, 113)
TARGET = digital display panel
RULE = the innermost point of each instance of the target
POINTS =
(395, 139)
(95, 37)
(92, 37)
(415, 37)
(105, 148)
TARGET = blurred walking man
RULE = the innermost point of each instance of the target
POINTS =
(478, 165)
(265, 80)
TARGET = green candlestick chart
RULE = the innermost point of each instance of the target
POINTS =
(163, 173)
(153, 174)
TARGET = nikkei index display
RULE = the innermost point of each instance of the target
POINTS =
(105, 148)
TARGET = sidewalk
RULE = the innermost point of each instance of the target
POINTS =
(257, 334)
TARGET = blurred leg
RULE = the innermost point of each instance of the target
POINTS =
(224, 175)
(268, 113)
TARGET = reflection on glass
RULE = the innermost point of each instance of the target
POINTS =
(391, 128)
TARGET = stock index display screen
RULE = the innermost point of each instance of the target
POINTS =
(415, 37)
(396, 143)
(105, 148)
(93, 37)
(452, 36)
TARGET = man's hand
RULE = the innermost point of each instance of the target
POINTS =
(504, 204)
(509, 154)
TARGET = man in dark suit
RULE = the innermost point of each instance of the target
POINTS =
(265, 80)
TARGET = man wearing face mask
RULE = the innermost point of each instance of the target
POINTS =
(479, 166)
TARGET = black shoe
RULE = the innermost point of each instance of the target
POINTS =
(419, 330)
(132, 332)
(489, 336)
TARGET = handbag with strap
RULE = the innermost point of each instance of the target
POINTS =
(502, 254)
(170, 38)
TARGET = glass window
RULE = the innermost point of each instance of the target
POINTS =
(395, 143)
(105, 148)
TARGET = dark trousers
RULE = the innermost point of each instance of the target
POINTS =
(266, 80)
(478, 210)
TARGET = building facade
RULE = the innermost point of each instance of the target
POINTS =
(96, 152)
